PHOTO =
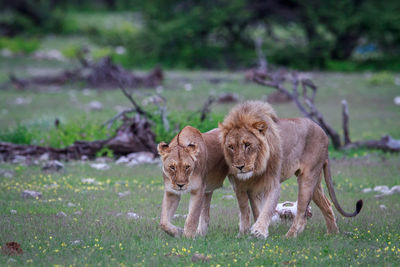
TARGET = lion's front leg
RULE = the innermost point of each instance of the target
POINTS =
(243, 201)
(205, 215)
(169, 205)
(195, 206)
(271, 197)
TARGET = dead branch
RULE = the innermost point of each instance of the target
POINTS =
(98, 74)
(345, 121)
(111, 121)
(307, 108)
(206, 109)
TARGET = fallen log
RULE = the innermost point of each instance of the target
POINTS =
(102, 74)
(134, 135)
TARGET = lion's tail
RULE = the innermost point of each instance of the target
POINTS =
(331, 190)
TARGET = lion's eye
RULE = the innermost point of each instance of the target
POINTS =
(172, 168)
(230, 147)
(187, 167)
(246, 145)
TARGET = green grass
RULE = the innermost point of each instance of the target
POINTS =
(107, 239)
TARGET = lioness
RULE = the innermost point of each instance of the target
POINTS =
(262, 151)
(192, 162)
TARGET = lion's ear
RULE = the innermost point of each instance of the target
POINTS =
(260, 126)
(193, 150)
(163, 149)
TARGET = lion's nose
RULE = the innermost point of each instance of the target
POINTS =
(180, 185)
(240, 167)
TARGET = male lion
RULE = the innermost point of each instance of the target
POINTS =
(262, 151)
(193, 162)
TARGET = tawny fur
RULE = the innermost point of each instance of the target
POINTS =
(257, 143)
(193, 162)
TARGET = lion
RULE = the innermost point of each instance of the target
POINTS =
(193, 162)
(262, 151)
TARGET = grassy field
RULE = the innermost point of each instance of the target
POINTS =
(97, 231)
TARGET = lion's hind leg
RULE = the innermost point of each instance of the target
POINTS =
(307, 182)
(325, 206)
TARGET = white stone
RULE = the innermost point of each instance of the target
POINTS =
(122, 160)
(124, 194)
(78, 212)
(120, 50)
(395, 189)
(53, 165)
(132, 215)
(100, 166)
(89, 181)
(188, 87)
(13, 211)
(383, 207)
(95, 105)
(381, 188)
(44, 157)
(228, 197)
(23, 100)
(31, 194)
(366, 190)
(76, 242)
(6, 52)
(396, 100)
(71, 204)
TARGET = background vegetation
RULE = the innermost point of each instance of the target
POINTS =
(346, 35)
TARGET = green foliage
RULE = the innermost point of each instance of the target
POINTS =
(19, 44)
(379, 78)
(42, 133)
(105, 152)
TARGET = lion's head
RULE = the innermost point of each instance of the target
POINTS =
(179, 159)
(250, 139)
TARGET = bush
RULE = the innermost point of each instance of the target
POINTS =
(19, 44)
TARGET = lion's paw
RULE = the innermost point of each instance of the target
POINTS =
(291, 233)
(259, 232)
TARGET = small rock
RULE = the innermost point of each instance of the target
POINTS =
(124, 194)
(6, 52)
(397, 82)
(100, 166)
(13, 211)
(11, 260)
(22, 101)
(7, 174)
(87, 92)
(95, 106)
(383, 207)
(84, 158)
(140, 158)
(89, 181)
(76, 242)
(44, 157)
(200, 257)
(132, 215)
(395, 189)
(120, 50)
(176, 216)
(118, 214)
(188, 87)
(31, 194)
(366, 190)
(381, 188)
(61, 214)
(228, 197)
(122, 160)
(53, 165)
(22, 160)
(49, 55)
(71, 205)
(78, 212)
